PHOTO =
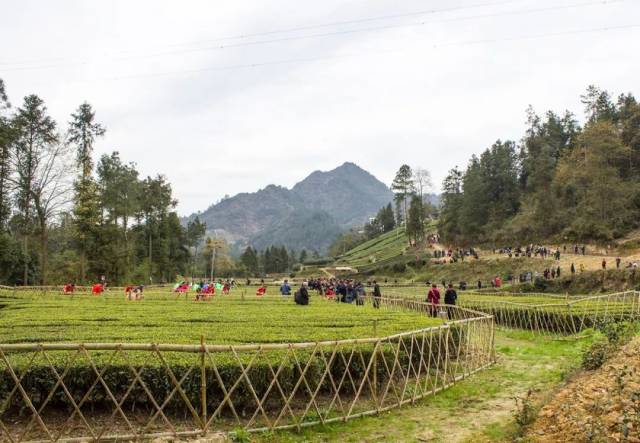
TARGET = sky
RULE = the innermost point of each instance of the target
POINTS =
(228, 97)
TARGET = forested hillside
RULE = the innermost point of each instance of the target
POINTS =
(559, 181)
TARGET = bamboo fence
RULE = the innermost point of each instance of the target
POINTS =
(76, 392)
(561, 315)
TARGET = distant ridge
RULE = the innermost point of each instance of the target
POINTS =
(308, 216)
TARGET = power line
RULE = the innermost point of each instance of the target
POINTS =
(314, 59)
(308, 27)
(333, 33)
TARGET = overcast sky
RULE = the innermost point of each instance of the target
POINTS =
(228, 97)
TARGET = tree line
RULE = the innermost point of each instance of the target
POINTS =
(64, 218)
(561, 181)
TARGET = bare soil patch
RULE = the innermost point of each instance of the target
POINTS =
(601, 405)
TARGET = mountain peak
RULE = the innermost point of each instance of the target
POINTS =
(310, 215)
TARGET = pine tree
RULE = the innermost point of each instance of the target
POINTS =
(83, 131)
(415, 220)
(6, 134)
(403, 187)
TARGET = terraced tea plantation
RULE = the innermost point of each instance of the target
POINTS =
(163, 317)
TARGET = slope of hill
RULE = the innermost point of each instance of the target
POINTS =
(385, 249)
(308, 216)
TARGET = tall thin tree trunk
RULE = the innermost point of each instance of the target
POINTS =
(150, 262)
(83, 259)
(43, 253)
(25, 255)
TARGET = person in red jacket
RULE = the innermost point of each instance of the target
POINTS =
(433, 298)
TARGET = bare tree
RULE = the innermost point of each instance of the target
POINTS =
(52, 193)
(422, 180)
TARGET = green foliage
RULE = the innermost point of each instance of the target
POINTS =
(275, 259)
(614, 335)
(563, 181)
(117, 223)
(416, 220)
(596, 354)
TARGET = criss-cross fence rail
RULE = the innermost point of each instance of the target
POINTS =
(90, 392)
(558, 316)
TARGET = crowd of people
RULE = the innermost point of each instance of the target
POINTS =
(204, 290)
(453, 255)
(529, 251)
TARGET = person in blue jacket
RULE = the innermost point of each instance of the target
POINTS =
(285, 289)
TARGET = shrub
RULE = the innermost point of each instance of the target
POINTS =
(540, 284)
(525, 412)
(596, 354)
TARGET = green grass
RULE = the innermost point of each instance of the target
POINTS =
(166, 318)
(477, 409)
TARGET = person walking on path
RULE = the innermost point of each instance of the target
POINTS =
(376, 295)
(450, 297)
(573, 269)
(604, 264)
(433, 298)
(618, 260)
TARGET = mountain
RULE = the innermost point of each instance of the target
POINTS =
(349, 193)
(310, 215)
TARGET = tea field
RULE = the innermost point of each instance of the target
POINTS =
(163, 317)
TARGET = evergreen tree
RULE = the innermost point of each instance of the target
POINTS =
(403, 186)
(195, 234)
(249, 259)
(6, 135)
(449, 221)
(415, 220)
(83, 132)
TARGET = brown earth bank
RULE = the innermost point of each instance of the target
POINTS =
(596, 406)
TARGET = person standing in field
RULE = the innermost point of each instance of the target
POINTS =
(573, 269)
(376, 295)
(302, 295)
(450, 297)
(433, 298)
(604, 264)
(618, 260)
(285, 289)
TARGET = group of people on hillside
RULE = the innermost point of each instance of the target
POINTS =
(551, 273)
(453, 255)
(530, 250)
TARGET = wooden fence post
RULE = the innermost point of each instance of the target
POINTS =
(203, 386)
(375, 362)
